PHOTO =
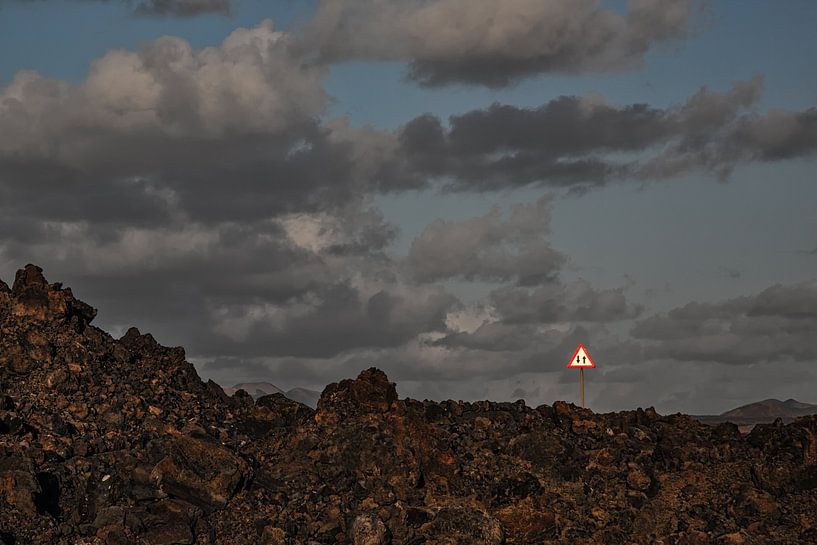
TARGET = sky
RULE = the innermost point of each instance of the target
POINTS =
(458, 192)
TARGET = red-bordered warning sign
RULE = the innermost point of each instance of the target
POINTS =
(581, 359)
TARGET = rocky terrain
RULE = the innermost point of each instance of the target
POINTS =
(118, 441)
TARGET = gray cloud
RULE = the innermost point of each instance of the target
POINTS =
(776, 325)
(573, 302)
(168, 8)
(182, 8)
(488, 248)
(146, 131)
(334, 318)
(251, 83)
(495, 44)
(244, 120)
(303, 285)
(204, 196)
(582, 142)
(198, 194)
(729, 272)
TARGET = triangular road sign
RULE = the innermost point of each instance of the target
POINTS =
(581, 359)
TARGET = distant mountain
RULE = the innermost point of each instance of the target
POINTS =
(761, 412)
(260, 389)
(302, 395)
(772, 408)
(255, 389)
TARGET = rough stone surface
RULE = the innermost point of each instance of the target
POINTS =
(109, 441)
(368, 530)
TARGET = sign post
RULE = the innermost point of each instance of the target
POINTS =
(581, 382)
(581, 361)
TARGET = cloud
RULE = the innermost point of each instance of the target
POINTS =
(169, 8)
(729, 272)
(488, 248)
(495, 44)
(333, 318)
(585, 142)
(182, 8)
(204, 195)
(250, 83)
(199, 194)
(776, 325)
(147, 131)
(297, 285)
(577, 301)
(308, 297)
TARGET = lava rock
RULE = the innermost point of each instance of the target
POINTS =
(371, 392)
(118, 441)
(367, 529)
(199, 471)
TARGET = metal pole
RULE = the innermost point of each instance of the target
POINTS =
(581, 379)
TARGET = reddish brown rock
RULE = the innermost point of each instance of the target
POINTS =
(367, 529)
(18, 486)
(371, 392)
(198, 470)
(118, 442)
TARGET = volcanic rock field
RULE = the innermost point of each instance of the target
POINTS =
(118, 442)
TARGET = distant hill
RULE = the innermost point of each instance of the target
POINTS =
(761, 412)
(302, 395)
(772, 408)
(260, 389)
(255, 389)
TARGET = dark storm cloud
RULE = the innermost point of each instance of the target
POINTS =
(582, 142)
(488, 248)
(776, 325)
(496, 43)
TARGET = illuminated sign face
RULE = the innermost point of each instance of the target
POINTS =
(581, 359)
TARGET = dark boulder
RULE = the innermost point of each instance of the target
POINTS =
(370, 392)
(199, 471)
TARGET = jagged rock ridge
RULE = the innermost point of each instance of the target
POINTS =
(106, 441)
